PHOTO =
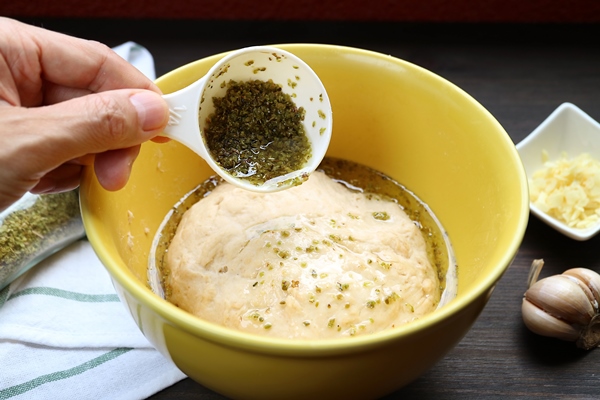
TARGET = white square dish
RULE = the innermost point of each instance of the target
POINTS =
(568, 130)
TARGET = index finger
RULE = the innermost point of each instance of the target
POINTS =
(84, 64)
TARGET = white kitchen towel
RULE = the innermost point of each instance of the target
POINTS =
(138, 56)
(64, 333)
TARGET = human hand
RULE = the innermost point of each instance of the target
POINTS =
(66, 103)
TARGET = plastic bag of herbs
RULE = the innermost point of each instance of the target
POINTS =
(35, 227)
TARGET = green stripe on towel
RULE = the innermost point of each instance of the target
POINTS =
(59, 375)
(82, 297)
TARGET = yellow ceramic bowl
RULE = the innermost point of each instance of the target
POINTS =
(390, 115)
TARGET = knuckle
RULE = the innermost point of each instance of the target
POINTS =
(111, 120)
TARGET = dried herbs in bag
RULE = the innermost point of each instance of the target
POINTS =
(35, 227)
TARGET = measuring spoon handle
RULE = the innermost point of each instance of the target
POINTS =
(183, 117)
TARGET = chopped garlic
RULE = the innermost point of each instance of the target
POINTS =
(568, 190)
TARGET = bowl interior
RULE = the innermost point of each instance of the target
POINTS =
(387, 114)
(567, 130)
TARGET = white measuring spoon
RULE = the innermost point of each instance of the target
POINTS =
(190, 106)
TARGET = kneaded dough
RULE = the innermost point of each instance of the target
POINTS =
(314, 261)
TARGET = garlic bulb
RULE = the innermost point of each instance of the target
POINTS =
(564, 306)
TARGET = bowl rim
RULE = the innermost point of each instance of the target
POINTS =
(316, 347)
(530, 142)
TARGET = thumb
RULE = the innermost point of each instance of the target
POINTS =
(39, 143)
(92, 124)
(107, 121)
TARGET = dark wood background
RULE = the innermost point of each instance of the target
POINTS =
(565, 11)
(520, 72)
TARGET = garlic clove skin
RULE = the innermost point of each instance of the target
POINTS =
(562, 298)
(544, 324)
(591, 279)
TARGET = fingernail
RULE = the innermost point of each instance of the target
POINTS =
(151, 110)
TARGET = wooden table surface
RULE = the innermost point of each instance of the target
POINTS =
(520, 73)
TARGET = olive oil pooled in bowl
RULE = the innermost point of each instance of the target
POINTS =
(371, 257)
